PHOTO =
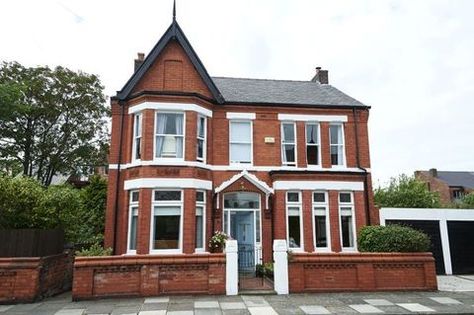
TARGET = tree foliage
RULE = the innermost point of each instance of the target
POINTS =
(406, 192)
(51, 120)
(25, 203)
(467, 201)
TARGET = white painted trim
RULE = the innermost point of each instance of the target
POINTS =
(315, 118)
(167, 183)
(443, 231)
(170, 106)
(280, 257)
(317, 185)
(233, 167)
(251, 116)
(231, 268)
(250, 177)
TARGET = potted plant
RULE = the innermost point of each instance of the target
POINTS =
(217, 242)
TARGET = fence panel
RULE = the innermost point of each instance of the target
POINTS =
(31, 242)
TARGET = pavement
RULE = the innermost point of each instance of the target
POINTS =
(436, 302)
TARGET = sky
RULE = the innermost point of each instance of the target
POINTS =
(411, 61)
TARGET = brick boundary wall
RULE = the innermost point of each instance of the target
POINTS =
(29, 279)
(148, 275)
(361, 272)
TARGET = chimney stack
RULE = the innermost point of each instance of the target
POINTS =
(139, 60)
(321, 76)
(433, 172)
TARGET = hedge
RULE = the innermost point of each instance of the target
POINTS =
(392, 238)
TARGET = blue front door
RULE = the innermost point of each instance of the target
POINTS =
(243, 230)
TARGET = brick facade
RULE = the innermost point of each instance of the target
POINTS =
(114, 276)
(31, 279)
(361, 272)
(172, 79)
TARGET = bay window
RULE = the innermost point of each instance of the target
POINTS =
(321, 220)
(201, 139)
(336, 138)
(166, 229)
(240, 136)
(288, 143)
(294, 222)
(133, 221)
(200, 220)
(137, 137)
(312, 143)
(347, 224)
(169, 135)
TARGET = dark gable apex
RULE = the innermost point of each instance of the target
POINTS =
(174, 32)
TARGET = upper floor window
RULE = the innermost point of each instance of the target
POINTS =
(288, 143)
(312, 143)
(137, 137)
(133, 221)
(201, 139)
(337, 144)
(169, 135)
(346, 213)
(294, 220)
(240, 141)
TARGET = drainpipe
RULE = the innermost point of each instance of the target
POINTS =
(117, 183)
(366, 192)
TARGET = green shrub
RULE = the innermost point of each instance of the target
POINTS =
(392, 238)
(95, 250)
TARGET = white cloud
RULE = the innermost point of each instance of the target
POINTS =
(410, 60)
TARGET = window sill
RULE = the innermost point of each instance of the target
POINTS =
(165, 251)
(130, 253)
(349, 250)
(322, 251)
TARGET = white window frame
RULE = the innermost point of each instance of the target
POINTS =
(283, 162)
(250, 122)
(325, 205)
(132, 204)
(204, 139)
(354, 233)
(172, 203)
(294, 204)
(166, 159)
(203, 205)
(318, 144)
(137, 118)
(343, 144)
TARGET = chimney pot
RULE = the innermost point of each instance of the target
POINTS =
(139, 60)
(433, 172)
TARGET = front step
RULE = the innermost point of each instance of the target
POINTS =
(257, 292)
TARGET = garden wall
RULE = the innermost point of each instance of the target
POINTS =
(28, 279)
(361, 272)
(148, 275)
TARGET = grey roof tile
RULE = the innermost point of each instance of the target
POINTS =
(282, 92)
(461, 179)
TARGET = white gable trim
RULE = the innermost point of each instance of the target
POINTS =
(167, 183)
(170, 106)
(250, 177)
(329, 118)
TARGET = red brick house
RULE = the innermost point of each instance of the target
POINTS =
(259, 159)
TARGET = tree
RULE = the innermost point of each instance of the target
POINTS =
(468, 201)
(406, 192)
(57, 121)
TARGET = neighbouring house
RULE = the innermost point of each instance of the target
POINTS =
(258, 159)
(450, 185)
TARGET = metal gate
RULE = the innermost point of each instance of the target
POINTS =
(248, 256)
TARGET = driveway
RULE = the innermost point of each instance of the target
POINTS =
(459, 283)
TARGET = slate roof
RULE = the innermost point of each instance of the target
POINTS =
(239, 90)
(461, 179)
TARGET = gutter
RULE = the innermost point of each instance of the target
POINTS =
(366, 192)
(117, 183)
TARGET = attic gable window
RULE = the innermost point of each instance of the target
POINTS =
(169, 135)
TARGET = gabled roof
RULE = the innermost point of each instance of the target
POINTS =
(174, 32)
(259, 91)
(457, 179)
(250, 177)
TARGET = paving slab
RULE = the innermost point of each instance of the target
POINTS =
(314, 309)
(366, 309)
(456, 283)
(233, 306)
(156, 312)
(206, 304)
(262, 310)
(180, 313)
(4, 308)
(154, 306)
(445, 300)
(378, 302)
(207, 311)
(415, 307)
(70, 312)
(157, 300)
(254, 301)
